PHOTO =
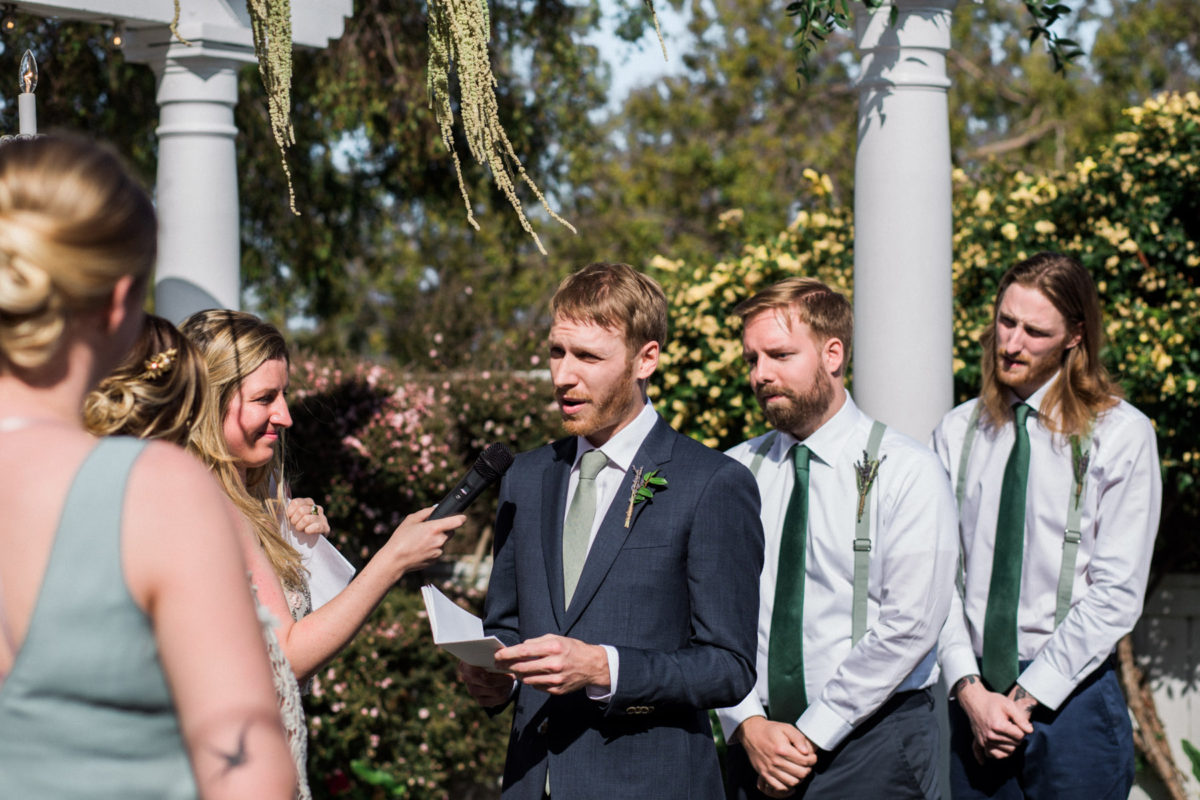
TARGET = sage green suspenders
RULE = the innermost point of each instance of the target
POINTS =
(862, 530)
(862, 543)
(1072, 533)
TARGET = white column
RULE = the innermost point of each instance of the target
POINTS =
(902, 218)
(197, 188)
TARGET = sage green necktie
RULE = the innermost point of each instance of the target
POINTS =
(786, 699)
(1000, 667)
(577, 529)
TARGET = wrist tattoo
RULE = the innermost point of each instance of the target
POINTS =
(964, 681)
(1020, 694)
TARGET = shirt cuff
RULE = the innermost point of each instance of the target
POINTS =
(1047, 685)
(823, 726)
(956, 664)
(731, 718)
(604, 695)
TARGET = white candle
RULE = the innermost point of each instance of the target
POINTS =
(26, 102)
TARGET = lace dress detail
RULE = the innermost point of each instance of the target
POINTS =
(299, 601)
(287, 691)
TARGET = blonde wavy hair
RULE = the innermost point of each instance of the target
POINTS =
(234, 344)
(73, 222)
(157, 392)
(1085, 390)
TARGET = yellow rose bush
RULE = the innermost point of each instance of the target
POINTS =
(1129, 211)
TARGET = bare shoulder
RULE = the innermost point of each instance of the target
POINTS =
(171, 474)
(176, 520)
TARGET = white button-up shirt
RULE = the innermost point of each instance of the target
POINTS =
(620, 451)
(1121, 504)
(911, 575)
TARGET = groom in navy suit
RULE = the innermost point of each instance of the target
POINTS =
(625, 613)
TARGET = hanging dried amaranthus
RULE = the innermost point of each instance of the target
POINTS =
(271, 26)
(459, 31)
(657, 30)
(174, 26)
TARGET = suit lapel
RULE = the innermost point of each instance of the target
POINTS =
(554, 509)
(654, 452)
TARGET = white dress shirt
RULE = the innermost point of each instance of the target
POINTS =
(911, 575)
(620, 450)
(1121, 505)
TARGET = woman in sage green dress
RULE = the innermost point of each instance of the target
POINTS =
(131, 663)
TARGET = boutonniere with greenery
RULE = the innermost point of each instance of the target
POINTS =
(1080, 459)
(644, 487)
(865, 472)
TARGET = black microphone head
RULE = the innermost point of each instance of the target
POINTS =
(494, 461)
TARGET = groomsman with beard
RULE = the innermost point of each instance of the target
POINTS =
(1059, 496)
(858, 574)
(623, 584)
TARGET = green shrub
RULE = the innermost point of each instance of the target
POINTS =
(389, 717)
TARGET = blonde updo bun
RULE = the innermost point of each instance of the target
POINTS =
(73, 222)
(157, 392)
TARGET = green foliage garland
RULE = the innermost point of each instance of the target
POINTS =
(816, 19)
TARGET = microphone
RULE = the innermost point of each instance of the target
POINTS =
(492, 463)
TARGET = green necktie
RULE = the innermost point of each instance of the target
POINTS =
(1000, 620)
(786, 698)
(577, 530)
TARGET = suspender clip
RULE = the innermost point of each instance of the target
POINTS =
(862, 545)
(1071, 537)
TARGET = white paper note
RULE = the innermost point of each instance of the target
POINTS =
(458, 631)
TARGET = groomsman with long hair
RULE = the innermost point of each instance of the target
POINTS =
(1059, 491)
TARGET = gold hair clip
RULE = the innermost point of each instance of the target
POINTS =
(160, 364)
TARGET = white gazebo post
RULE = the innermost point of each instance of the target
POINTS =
(197, 190)
(902, 218)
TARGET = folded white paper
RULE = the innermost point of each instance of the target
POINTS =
(458, 631)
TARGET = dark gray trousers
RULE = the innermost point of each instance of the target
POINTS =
(892, 754)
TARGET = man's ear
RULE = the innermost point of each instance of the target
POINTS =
(645, 360)
(833, 356)
(1075, 338)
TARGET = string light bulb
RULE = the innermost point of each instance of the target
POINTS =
(8, 22)
(117, 37)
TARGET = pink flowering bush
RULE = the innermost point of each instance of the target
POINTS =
(389, 717)
(372, 444)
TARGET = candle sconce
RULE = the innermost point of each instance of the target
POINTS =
(27, 80)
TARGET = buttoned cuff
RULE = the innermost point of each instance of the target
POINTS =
(614, 661)
(956, 664)
(823, 726)
(1047, 685)
(731, 718)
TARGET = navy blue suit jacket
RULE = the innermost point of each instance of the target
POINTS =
(676, 593)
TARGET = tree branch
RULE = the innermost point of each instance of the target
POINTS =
(1028, 137)
(1148, 735)
(979, 74)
